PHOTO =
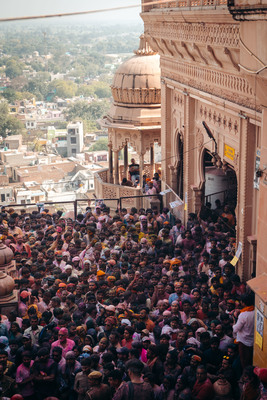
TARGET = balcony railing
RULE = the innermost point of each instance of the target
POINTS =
(105, 190)
(184, 4)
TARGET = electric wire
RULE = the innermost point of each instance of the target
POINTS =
(70, 14)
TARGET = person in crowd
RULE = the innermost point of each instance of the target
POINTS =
(132, 304)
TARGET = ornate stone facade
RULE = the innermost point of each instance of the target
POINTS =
(208, 61)
(135, 115)
(8, 294)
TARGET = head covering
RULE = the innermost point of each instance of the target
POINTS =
(63, 331)
(261, 373)
(111, 308)
(111, 278)
(5, 343)
(126, 321)
(76, 258)
(70, 285)
(118, 290)
(81, 329)
(196, 358)
(166, 313)
(111, 262)
(176, 261)
(62, 285)
(87, 348)
(192, 320)
(95, 375)
(24, 294)
(100, 273)
(146, 339)
(26, 336)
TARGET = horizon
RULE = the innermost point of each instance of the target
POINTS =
(16, 9)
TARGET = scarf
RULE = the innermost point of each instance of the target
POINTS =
(249, 308)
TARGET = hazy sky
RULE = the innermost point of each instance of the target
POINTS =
(15, 8)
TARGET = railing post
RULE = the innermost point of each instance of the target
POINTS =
(75, 208)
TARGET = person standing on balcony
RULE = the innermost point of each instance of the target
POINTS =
(134, 171)
(126, 182)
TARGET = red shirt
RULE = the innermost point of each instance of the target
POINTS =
(203, 390)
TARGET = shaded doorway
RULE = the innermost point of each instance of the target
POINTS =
(220, 182)
(180, 166)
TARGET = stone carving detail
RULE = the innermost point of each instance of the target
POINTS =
(136, 96)
(199, 139)
(225, 85)
(208, 34)
(236, 163)
(178, 99)
(103, 175)
(148, 170)
(214, 118)
(109, 192)
(127, 193)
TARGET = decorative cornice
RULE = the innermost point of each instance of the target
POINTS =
(208, 34)
(139, 96)
(220, 83)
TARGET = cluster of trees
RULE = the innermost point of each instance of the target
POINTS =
(42, 89)
(77, 51)
(9, 125)
(89, 113)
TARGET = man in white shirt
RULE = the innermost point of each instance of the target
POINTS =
(243, 330)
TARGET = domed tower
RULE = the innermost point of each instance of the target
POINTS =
(8, 294)
(7, 262)
(135, 115)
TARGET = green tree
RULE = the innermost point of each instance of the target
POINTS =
(10, 95)
(101, 144)
(13, 68)
(101, 89)
(63, 89)
(9, 125)
(87, 111)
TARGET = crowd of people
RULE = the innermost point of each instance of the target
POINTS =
(131, 306)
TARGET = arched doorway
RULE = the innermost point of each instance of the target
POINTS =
(220, 181)
(180, 166)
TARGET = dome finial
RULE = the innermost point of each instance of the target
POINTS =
(144, 48)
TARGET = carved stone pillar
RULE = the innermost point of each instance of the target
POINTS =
(189, 145)
(245, 194)
(125, 160)
(141, 168)
(152, 158)
(116, 167)
(173, 178)
(197, 198)
(110, 162)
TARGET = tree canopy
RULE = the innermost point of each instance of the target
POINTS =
(9, 125)
(101, 144)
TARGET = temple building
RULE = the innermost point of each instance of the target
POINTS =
(213, 59)
(205, 105)
(134, 119)
(213, 119)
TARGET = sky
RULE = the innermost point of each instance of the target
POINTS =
(18, 8)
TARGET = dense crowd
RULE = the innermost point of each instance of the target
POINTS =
(131, 306)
